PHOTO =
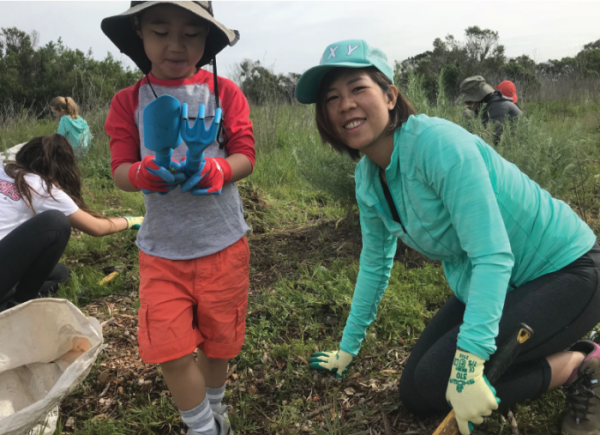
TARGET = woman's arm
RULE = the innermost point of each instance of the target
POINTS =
(95, 226)
(376, 261)
(454, 166)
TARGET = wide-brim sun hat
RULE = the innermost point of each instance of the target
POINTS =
(475, 89)
(350, 53)
(122, 33)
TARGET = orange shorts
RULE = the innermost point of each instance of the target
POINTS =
(193, 303)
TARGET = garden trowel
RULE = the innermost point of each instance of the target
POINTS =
(162, 118)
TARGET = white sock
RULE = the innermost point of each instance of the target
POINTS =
(200, 419)
(215, 396)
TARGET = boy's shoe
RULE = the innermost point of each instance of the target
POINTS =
(222, 419)
(583, 393)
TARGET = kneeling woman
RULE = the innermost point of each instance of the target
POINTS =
(511, 253)
(40, 200)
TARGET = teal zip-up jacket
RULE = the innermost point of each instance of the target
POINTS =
(460, 202)
(75, 130)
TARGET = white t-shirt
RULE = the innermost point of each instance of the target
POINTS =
(14, 211)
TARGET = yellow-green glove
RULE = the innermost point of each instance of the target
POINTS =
(331, 361)
(134, 223)
(469, 392)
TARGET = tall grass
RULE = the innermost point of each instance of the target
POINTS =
(558, 148)
(301, 183)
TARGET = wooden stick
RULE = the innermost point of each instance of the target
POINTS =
(513, 423)
(386, 424)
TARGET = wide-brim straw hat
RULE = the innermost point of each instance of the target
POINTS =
(475, 89)
(122, 33)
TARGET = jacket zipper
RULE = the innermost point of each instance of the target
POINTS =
(390, 200)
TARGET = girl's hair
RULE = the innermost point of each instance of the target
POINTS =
(398, 115)
(67, 105)
(52, 159)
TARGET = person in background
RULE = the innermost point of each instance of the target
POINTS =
(72, 126)
(40, 200)
(482, 101)
(509, 90)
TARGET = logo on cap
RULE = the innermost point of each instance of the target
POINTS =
(332, 51)
(351, 49)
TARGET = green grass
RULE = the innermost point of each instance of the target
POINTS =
(305, 245)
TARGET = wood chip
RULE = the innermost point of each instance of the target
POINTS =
(231, 370)
(107, 322)
(317, 411)
(103, 378)
(386, 424)
(513, 423)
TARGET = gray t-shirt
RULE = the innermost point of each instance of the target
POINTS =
(182, 226)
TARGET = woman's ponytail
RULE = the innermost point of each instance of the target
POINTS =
(71, 108)
(66, 105)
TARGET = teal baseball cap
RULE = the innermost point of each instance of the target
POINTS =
(351, 53)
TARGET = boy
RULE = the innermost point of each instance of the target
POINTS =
(194, 255)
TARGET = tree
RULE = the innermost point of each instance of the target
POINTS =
(592, 45)
(521, 70)
(31, 76)
(480, 54)
(261, 85)
(588, 59)
(481, 43)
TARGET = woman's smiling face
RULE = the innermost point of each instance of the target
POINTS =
(358, 109)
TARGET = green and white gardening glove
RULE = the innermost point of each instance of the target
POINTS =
(469, 392)
(134, 223)
(331, 361)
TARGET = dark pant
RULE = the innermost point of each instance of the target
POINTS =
(29, 256)
(560, 307)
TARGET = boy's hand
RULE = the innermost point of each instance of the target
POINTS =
(149, 177)
(209, 180)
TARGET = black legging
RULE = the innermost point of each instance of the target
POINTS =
(29, 256)
(560, 307)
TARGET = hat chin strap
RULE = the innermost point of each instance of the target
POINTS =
(222, 136)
